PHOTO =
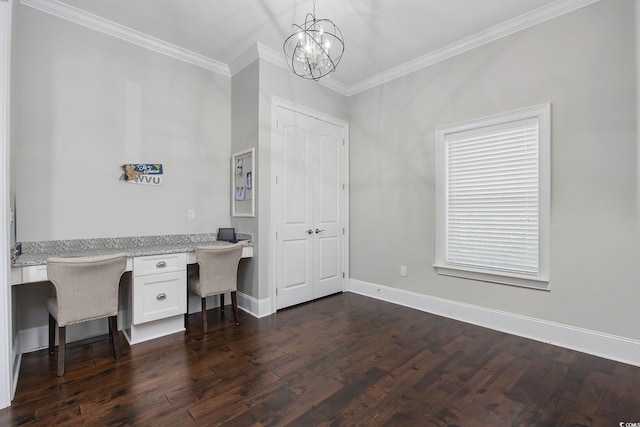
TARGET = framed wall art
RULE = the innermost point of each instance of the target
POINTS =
(243, 184)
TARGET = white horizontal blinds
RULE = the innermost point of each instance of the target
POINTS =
(493, 197)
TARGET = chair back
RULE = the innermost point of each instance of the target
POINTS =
(218, 267)
(86, 287)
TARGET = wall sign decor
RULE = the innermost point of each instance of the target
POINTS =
(240, 193)
(243, 184)
(239, 166)
(142, 173)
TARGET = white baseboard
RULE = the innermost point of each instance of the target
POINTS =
(195, 305)
(17, 361)
(612, 347)
(247, 303)
(255, 307)
(599, 344)
(34, 339)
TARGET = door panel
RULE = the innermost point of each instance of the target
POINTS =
(295, 257)
(295, 176)
(328, 265)
(328, 178)
(295, 282)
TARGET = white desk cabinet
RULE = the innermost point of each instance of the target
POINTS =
(153, 294)
(154, 297)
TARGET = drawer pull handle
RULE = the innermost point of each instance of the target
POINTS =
(161, 264)
(161, 296)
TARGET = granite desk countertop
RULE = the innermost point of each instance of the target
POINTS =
(36, 253)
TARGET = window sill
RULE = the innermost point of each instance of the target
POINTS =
(493, 277)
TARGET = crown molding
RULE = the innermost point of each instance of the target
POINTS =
(255, 52)
(78, 16)
(273, 56)
(260, 51)
(277, 58)
(245, 59)
(522, 22)
(334, 85)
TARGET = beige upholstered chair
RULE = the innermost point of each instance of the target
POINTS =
(217, 274)
(86, 289)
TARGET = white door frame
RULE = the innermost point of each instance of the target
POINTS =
(283, 103)
(6, 344)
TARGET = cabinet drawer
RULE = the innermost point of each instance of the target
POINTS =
(158, 296)
(34, 273)
(153, 264)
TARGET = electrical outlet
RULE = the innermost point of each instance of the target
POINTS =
(403, 270)
(191, 214)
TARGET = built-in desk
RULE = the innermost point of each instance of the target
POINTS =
(153, 296)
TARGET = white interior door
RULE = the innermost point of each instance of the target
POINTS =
(308, 196)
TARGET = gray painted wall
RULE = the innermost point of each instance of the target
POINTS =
(244, 135)
(88, 103)
(584, 64)
(85, 103)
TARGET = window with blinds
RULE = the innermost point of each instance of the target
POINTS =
(493, 199)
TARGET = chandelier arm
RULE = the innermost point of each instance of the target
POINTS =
(311, 72)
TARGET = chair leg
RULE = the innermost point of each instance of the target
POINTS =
(62, 349)
(221, 301)
(115, 337)
(234, 301)
(186, 314)
(204, 315)
(52, 334)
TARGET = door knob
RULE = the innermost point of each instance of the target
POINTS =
(319, 231)
(309, 231)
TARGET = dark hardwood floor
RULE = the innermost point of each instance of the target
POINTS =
(343, 360)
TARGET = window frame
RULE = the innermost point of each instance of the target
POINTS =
(542, 113)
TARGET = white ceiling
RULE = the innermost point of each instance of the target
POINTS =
(378, 34)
